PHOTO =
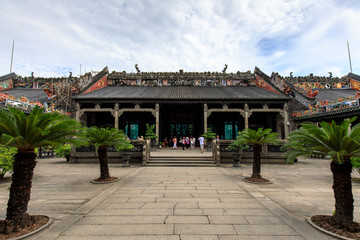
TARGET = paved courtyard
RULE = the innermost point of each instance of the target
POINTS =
(180, 202)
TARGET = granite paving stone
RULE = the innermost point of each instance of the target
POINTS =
(108, 220)
(188, 212)
(125, 205)
(160, 205)
(201, 229)
(187, 219)
(186, 204)
(231, 205)
(213, 211)
(132, 212)
(214, 219)
(242, 237)
(115, 230)
(259, 220)
(250, 211)
(272, 230)
(199, 237)
(123, 237)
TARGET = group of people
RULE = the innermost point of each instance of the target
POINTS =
(184, 142)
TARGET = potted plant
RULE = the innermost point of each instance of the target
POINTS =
(64, 151)
(125, 148)
(150, 134)
(237, 146)
(209, 135)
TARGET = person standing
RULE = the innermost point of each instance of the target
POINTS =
(201, 140)
(192, 142)
(187, 141)
(183, 143)
(171, 143)
(174, 143)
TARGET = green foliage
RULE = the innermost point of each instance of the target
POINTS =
(355, 161)
(103, 137)
(38, 129)
(259, 136)
(237, 145)
(6, 159)
(126, 146)
(150, 131)
(338, 141)
(209, 134)
(63, 150)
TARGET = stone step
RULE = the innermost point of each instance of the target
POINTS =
(176, 159)
(181, 161)
(175, 162)
(180, 165)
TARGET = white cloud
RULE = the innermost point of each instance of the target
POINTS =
(303, 36)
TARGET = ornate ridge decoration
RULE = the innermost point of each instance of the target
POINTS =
(182, 78)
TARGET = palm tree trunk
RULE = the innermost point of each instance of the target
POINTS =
(257, 162)
(103, 159)
(344, 201)
(16, 216)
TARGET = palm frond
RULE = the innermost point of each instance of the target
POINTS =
(339, 141)
(35, 130)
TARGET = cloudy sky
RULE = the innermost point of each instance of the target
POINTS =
(54, 37)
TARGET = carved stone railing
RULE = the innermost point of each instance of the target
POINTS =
(146, 151)
(216, 151)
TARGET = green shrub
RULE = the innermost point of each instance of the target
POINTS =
(126, 146)
(238, 146)
(6, 159)
(63, 151)
(209, 134)
(150, 131)
(355, 161)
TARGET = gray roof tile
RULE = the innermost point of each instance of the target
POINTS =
(181, 92)
(31, 94)
(333, 94)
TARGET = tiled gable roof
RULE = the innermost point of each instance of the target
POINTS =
(29, 93)
(181, 92)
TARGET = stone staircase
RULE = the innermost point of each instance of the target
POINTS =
(177, 161)
(187, 158)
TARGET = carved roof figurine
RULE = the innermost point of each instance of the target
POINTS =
(224, 70)
(137, 68)
(70, 75)
(330, 74)
(312, 94)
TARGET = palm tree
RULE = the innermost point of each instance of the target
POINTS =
(26, 133)
(101, 138)
(340, 142)
(257, 138)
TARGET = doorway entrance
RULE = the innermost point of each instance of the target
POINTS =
(181, 129)
(180, 120)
